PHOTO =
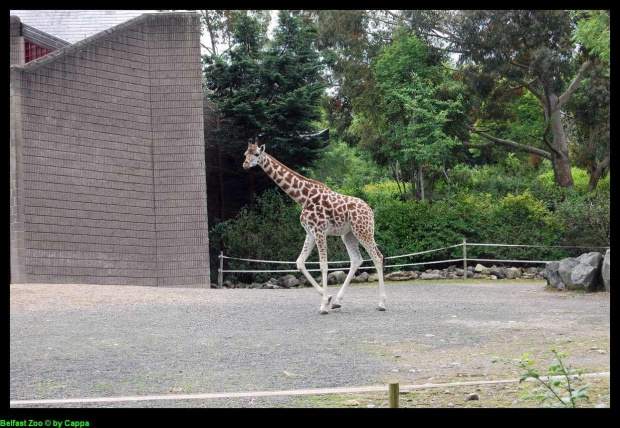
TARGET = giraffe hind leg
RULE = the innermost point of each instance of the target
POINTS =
(377, 258)
(352, 245)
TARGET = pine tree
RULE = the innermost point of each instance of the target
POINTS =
(269, 88)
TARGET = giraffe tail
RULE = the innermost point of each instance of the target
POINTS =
(382, 255)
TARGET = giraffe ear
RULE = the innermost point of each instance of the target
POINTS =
(262, 149)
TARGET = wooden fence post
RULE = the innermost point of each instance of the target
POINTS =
(393, 395)
(220, 273)
(464, 258)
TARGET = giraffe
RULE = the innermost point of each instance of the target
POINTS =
(324, 212)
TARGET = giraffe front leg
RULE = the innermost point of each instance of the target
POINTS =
(321, 243)
(301, 262)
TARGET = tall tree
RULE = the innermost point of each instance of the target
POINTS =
(590, 106)
(266, 87)
(512, 49)
(408, 116)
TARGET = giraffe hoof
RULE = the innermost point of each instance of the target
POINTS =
(380, 308)
(336, 306)
(323, 312)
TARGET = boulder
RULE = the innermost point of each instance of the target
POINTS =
(460, 272)
(566, 269)
(336, 277)
(605, 271)
(401, 276)
(553, 275)
(512, 273)
(430, 276)
(362, 277)
(288, 281)
(593, 259)
(497, 273)
(304, 282)
(374, 277)
(255, 285)
(581, 273)
(480, 269)
(586, 275)
(227, 284)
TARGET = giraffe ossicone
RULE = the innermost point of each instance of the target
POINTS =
(324, 213)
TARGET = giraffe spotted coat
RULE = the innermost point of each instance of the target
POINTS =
(324, 213)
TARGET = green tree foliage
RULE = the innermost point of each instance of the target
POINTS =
(592, 32)
(505, 50)
(406, 117)
(399, 113)
(268, 87)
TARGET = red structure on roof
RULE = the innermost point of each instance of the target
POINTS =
(33, 51)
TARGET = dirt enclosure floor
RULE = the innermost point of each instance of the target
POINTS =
(74, 341)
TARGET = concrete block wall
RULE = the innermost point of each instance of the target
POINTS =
(178, 151)
(17, 42)
(108, 181)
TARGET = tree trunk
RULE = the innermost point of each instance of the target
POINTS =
(395, 170)
(220, 169)
(561, 159)
(421, 178)
(414, 194)
(597, 172)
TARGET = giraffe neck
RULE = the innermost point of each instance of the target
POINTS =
(295, 185)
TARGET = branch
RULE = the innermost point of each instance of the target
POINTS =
(207, 48)
(525, 67)
(585, 67)
(476, 146)
(530, 87)
(511, 144)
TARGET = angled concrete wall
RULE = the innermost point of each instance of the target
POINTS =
(107, 159)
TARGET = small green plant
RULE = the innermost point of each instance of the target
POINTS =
(557, 385)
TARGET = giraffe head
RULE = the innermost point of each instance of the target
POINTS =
(253, 154)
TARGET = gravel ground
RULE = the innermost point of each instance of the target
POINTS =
(70, 341)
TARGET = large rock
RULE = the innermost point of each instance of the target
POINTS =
(605, 271)
(288, 281)
(336, 277)
(512, 273)
(498, 273)
(581, 273)
(362, 277)
(585, 277)
(593, 259)
(480, 268)
(565, 270)
(553, 276)
(430, 276)
(401, 276)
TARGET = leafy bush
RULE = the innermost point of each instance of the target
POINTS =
(408, 227)
(272, 231)
(518, 219)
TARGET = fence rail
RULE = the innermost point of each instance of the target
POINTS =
(464, 259)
